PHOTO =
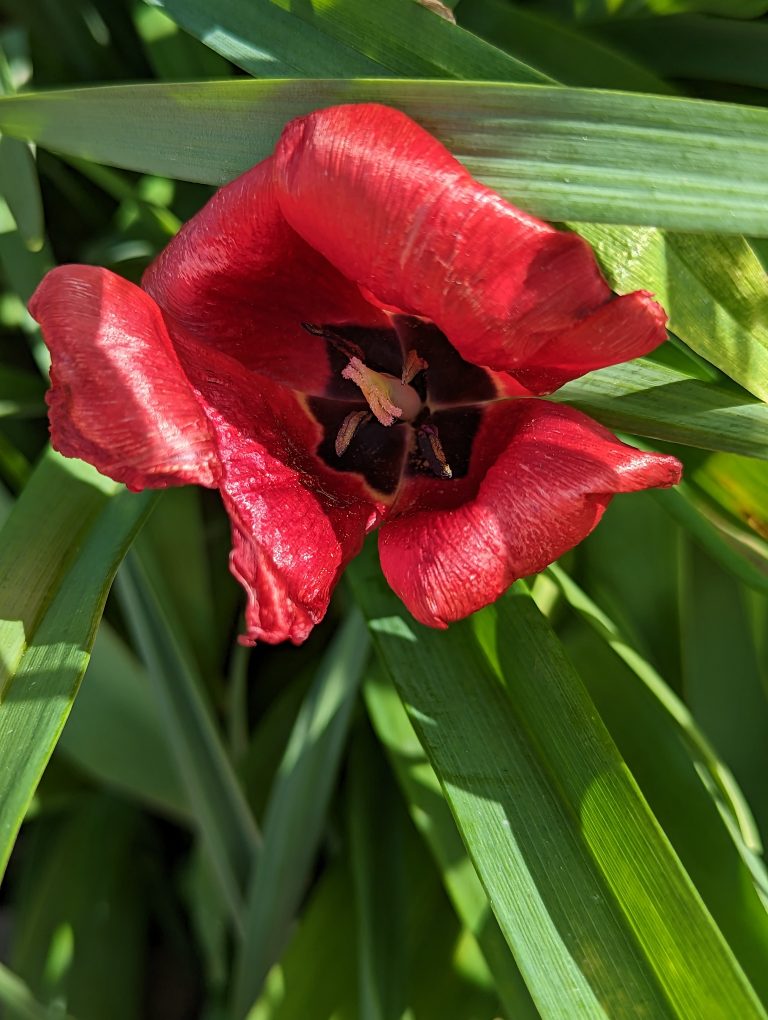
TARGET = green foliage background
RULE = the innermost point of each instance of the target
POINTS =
(556, 808)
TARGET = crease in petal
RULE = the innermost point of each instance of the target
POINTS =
(545, 490)
(119, 397)
(500, 284)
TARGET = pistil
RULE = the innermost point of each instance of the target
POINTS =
(389, 399)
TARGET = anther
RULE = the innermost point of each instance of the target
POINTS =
(413, 365)
(432, 451)
(339, 343)
(349, 426)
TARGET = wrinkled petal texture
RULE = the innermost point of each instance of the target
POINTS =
(295, 523)
(119, 398)
(392, 209)
(240, 280)
(544, 493)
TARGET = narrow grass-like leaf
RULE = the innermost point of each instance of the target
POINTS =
(296, 810)
(650, 399)
(519, 765)
(714, 289)
(19, 1001)
(691, 792)
(213, 791)
(560, 153)
(115, 735)
(715, 534)
(21, 394)
(77, 890)
(176, 535)
(693, 46)
(276, 38)
(61, 547)
(432, 816)
(174, 54)
(571, 945)
(317, 975)
(721, 673)
(668, 918)
(20, 188)
(377, 843)
(567, 53)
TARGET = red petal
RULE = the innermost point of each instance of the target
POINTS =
(624, 328)
(119, 398)
(240, 280)
(389, 206)
(542, 495)
(295, 522)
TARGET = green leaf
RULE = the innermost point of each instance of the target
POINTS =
(20, 1002)
(691, 792)
(377, 842)
(80, 890)
(724, 8)
(560, 153)
(432, 816)
(172, 53)
(277, 38)
(296, 810)
(20, 188)
(534, 781)
(213, 792)
(714, 289)
(114, 733)
(21, 394)
(655, 400)
(721, 673)
(567, 53)
(60, 549)
(691, 46)
(316, 978)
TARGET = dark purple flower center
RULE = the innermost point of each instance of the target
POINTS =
(373, 373)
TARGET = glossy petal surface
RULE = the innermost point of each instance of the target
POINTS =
(240, 280)
(544, 492)
(503, 286)
(119, 398)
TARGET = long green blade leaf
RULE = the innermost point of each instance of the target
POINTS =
(296, 810)
(649, 399)
(213, 791)
(432, 816)
(60, 550)
(519, 767)
(275, 38)
(560, 153)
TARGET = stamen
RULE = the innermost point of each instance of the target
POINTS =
(432, 450)
(340, 343)
(349, 426)
(387, 397)
(413, 365)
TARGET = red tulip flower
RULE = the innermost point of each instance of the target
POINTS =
(353, 335)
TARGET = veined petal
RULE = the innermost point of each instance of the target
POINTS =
(119, 397)
(392, 209)
(295, 522)
(239, 279)
(617, 331)
(544, 493)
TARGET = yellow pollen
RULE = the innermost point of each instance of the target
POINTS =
(388, 398)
